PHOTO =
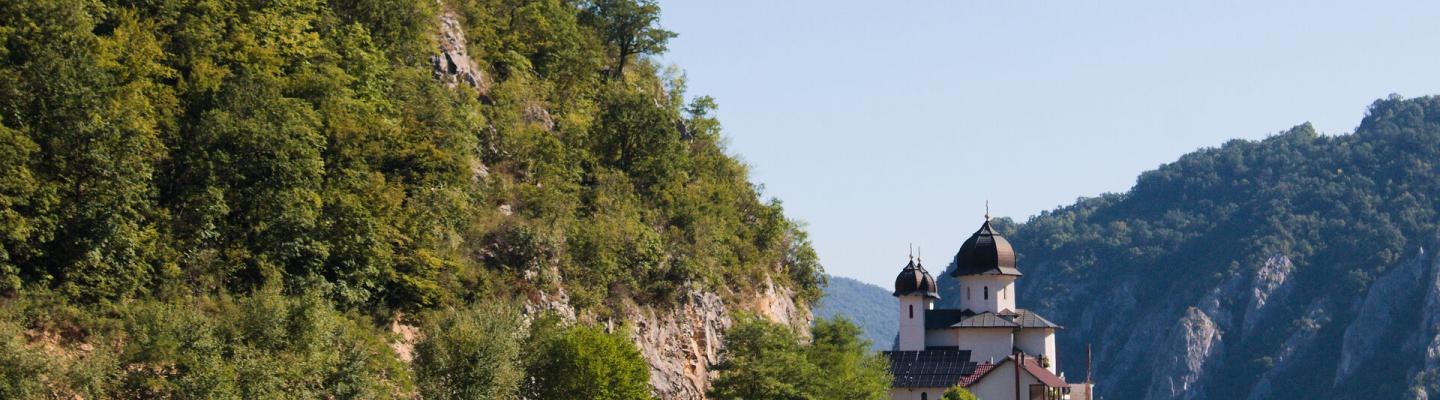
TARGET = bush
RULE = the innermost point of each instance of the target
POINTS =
(584, 363)
(261, 346)
(23, 371)
(766, 360)
(958, 393)
(471, 353)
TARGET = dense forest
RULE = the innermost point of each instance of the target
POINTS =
(243, 199)
(1254, 269)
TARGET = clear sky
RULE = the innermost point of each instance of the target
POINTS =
(882, 123)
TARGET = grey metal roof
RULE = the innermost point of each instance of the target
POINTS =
(985, 320)
(1029, 319)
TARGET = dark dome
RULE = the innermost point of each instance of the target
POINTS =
(914, 279)
(985, 253)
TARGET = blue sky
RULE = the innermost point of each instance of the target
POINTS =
(884, 123)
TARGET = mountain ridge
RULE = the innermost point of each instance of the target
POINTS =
(1253, 269)
(869, 306)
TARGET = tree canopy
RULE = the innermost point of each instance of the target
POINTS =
(764, 360)
(238, 199)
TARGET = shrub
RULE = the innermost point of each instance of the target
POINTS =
(584, 363)
(471, 353)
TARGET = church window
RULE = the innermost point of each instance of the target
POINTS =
(924, 396)
(987, 293)
(967, 293)
(912, 311)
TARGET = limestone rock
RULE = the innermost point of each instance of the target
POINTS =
(1296, 346)
(681, 344)
(453, 64)
(1271, 280)
(535, 113)
(1192, 346)
(1377, 314)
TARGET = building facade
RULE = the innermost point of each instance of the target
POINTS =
(988, 345)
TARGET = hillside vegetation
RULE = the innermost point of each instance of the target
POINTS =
(871, 307)
(1256, 269)
(255, 199)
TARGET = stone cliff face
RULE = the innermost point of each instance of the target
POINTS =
(1380, 311)
(1192, 346)
(682, 342)
(1255, 332)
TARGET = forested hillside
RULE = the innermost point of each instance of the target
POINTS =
(1298, 266)
(871, 307)
(360, 199)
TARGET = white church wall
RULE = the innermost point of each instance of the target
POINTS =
(1000, 384)
(1001, 289)
(986, 344)
(912, 323)
(917, 393)
(1039, 341)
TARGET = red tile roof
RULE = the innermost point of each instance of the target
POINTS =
(1043, 375)
(1032, 367)
(980, 370)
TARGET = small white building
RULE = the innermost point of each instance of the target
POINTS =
(979, 345)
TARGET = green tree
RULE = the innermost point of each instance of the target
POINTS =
(471, 353)
(763, 360)
(262, 346)
(637, 136)
(92, 106)
(23, 201)
(958, 393)
(766, 360)
(218, 196)
(585, 363)
(846, 367)
(629, 27)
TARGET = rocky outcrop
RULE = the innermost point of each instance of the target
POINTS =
(535, 113)
(1377, 314)
(681, 343)
(1271, 280)
(453, 64)
(1428, 334)
(1295, 347)
(1168, 349)
(777, 303)
(1194, 344)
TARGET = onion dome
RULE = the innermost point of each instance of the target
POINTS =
(915, 280)
(985, 253)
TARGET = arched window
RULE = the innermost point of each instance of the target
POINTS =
(987, 293)
(912, 311)
(967, 293)
(924, 396)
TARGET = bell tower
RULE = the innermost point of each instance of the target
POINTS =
(917, 292)
(985, 269)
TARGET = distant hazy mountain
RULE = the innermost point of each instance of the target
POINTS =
(1300, 266)
(869, 306)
